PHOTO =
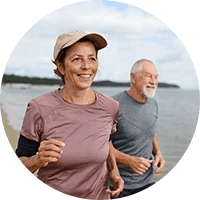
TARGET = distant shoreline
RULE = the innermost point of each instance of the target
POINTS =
(13, 79)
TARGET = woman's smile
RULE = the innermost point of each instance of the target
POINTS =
(85, 76)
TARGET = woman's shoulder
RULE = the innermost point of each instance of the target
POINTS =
(47, 98)
(109, 103)
(46, 102)
(106, 99)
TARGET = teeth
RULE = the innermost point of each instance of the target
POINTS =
(84, 75)
(150, 86)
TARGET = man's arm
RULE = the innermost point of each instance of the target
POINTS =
(115, 178)
(137, 164)
(159, 161)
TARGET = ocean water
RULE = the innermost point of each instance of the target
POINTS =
(178, 115)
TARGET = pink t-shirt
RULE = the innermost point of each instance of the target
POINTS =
(85, 129)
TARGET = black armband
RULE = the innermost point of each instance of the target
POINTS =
(26, 147)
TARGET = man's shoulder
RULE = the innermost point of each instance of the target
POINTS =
(153, 101)
(154, 104)
(120, 96)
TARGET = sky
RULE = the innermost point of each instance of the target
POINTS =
(131, 33)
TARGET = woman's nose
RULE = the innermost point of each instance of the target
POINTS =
(85, 64)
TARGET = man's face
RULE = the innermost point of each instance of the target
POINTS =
(146, 81)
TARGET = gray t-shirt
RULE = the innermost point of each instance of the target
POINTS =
(135, 129)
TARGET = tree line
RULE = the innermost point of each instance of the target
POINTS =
(55, 81)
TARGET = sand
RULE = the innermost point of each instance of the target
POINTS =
(12, 134)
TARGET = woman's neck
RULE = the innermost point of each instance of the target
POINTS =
(86, 96)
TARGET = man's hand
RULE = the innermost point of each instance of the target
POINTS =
(159, 162)
(117, 183)
(138, 164)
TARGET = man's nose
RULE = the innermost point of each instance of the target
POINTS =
(154, 80)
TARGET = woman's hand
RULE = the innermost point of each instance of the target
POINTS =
(49, 151)
(117, 183)
(116, 180)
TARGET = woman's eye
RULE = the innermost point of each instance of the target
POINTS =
(76, 59)
(93, 58)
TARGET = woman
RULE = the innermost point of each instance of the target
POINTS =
(65, 133)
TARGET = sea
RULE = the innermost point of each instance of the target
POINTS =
(178, 115)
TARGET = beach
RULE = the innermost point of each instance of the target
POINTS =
(12, 134)
(176, 124)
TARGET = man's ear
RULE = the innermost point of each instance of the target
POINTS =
(132, 77)
(61, 68)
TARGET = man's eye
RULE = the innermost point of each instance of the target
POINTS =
(148, 75)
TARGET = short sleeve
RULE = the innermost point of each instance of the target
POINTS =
(114, 128)
(157, 108)
(116, 109)
(32, 126)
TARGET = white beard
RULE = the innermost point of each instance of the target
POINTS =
(147, 94)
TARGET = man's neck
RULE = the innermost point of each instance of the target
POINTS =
(136, 95)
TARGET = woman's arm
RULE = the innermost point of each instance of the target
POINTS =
(33, 157)
(115, 177)
(32, 163)
(26, 151)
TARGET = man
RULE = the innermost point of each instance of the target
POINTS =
(136, 146)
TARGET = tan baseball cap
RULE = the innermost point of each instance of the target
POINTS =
(67, 39)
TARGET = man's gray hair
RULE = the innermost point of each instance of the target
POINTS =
(137, 66)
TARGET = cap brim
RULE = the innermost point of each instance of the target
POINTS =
(99, 41)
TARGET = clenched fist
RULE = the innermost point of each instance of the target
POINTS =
(49, 151)
(139, 164)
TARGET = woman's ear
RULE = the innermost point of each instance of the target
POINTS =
(60, 67)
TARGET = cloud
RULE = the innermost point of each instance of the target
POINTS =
(131, 34)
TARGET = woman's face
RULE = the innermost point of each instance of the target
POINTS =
(80, 65)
